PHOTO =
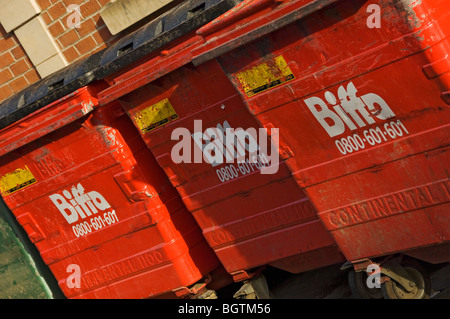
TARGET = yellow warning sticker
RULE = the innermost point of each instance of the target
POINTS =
(17, 180)
(155, 116)
(265, 76)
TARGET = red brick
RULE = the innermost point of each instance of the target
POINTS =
(69, 2)
(18, 84)
(98, 38)
(7, 43)
(86, 27)
(5, 76)
(57, 10)
(18, 52)
(86, 45)
(6, 59)
(98, 20)
(71, 54)
(47, 19)
(68, 38)
(89, 8)
(5, 92)
(19, 67)
(102, 35)
(56, 29)
(32, 76)
(44, 4)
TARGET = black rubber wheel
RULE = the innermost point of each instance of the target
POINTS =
(358, 286)
(422, 289)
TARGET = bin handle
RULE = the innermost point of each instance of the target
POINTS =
(278, 18)
(133, 187)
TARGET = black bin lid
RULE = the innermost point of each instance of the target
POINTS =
(182, 19)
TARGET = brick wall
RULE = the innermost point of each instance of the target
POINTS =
(19, 66)
(76, 43)
(16, 69)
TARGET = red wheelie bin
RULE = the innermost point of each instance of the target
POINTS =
(95, 202)
(360, 92)
(252, 213)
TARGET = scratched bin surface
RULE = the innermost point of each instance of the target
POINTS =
(250, 219)
(360, 93)
(94, 201)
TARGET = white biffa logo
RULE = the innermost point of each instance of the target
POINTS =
(76, 204)
(350, 111)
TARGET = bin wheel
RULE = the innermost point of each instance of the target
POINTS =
(207, 294)
(422, 289)
(358, 286)
(255, 288)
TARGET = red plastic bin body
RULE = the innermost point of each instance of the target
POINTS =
(251, 219)
(360, 92)
(92, 198)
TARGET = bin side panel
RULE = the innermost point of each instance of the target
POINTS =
(364, 111)
(93, 199)
(246, 217)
